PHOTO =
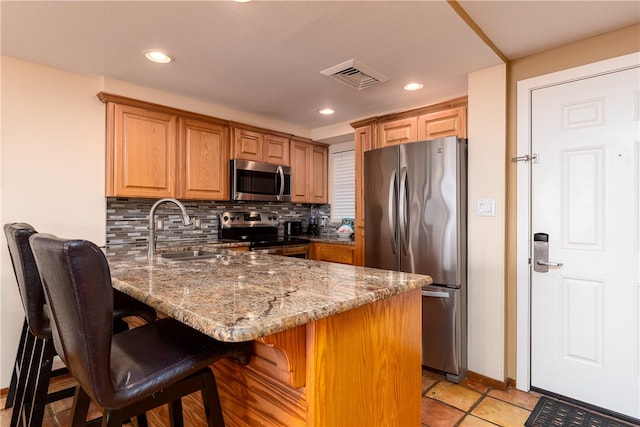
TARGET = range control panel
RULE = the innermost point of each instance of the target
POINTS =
(248, 219)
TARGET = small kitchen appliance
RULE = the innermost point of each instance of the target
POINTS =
(292, 228)
(260, 230)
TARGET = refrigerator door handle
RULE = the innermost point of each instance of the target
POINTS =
(392, 210)
(435, 294)
(403, 213)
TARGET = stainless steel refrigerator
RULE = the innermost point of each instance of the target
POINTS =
(415, 221)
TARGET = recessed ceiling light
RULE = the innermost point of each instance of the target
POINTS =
(326, 111)
(413, 86)
(242, 1)
(157, 56)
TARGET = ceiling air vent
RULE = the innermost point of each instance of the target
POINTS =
(355, 74)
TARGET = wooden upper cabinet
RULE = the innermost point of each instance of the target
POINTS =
(309, 172)
(141, 152)
(451, 122)
(247, 144)
(300, 170)
(260, 147)
(397, 132)
(203, 164)
(319, 190)
(275, 149)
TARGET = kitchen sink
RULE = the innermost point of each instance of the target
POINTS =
(190, 255)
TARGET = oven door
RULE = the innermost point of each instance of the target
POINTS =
(295, 251)
(260, 181)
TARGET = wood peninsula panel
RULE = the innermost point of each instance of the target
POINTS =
(357, 355)
(362, 368)
(203, 166)
(141, 147)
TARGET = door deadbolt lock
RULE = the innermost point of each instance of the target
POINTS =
(541, 261)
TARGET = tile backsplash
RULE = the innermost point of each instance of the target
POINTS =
(128, 219)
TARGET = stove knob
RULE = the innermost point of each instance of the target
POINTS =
(225, 218)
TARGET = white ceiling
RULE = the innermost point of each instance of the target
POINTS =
(265, 57)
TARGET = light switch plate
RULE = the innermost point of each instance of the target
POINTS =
(486, 207)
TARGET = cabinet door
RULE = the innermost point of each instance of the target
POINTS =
(141, 152)
(247, 144)
(300, 170)
(452, 122)
(363, 142)
(319, 191)
(332, 252)
(204, 168)
(275, 149)
(397, 132)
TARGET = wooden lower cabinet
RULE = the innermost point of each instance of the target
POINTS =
(361, 367)
(331, 252)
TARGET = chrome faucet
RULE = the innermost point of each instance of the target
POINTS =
(152, 224)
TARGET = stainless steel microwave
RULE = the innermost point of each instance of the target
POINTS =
(260, 181)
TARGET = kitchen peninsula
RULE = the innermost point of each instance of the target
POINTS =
(334, 345)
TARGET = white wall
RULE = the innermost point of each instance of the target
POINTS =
(52, 167)
(486, 234)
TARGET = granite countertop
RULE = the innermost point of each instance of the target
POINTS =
(330, 238)
(241, 296)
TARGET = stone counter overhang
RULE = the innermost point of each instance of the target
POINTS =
(241, 296)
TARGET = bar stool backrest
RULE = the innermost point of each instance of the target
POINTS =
(28, 278)
(77, 287)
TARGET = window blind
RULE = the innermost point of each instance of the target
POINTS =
(344, 185)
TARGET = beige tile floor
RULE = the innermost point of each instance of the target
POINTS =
(444, 404)
(472, 404)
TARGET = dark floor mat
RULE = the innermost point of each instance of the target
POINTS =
(554, 413)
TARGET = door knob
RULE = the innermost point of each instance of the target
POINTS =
(541, 261)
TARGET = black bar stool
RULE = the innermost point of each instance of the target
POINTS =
(133, 371)
(32, 371)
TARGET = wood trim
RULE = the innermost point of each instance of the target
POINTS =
(500, 385)
(123, 100)
(251, 128)
(452, 103)
(290, 353)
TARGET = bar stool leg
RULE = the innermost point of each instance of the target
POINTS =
(42, 377)
(18, 367)
(24, 389)
(175, 413)
(80, 408)
(211, 400)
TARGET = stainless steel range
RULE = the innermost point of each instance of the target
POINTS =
(260, 229)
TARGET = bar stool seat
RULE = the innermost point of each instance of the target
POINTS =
(135, 370)
(32, 370)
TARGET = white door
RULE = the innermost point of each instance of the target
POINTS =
(585, 184)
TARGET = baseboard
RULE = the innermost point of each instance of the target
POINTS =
(500, 385)
(4, 392)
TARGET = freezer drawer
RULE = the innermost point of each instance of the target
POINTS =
(441, 330)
